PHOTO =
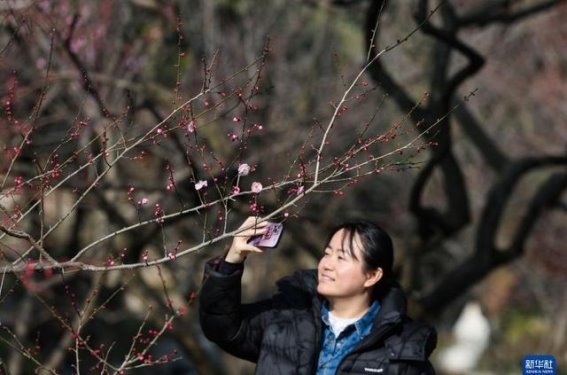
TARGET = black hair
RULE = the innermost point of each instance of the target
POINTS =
(377, 248)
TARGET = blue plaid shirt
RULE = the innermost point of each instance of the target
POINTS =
(334, 349)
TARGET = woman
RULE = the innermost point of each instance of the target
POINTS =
(348, 317)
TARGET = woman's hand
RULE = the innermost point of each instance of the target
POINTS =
(240, 247)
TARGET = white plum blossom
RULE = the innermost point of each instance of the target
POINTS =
(243, 169)
(201, 184)
(256, 187)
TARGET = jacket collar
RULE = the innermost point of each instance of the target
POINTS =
(393, 305)
(303, 285)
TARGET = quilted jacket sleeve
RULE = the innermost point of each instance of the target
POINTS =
(224, 320)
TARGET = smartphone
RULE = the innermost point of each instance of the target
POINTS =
(269, 239)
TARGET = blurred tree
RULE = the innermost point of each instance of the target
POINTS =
(437, 222)
(114, 111)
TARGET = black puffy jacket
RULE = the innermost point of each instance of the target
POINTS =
(283, 334)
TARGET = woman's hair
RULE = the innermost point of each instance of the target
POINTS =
(377, 249)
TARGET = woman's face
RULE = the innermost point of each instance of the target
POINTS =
(340, 275)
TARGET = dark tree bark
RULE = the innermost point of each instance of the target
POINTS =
(434, 224)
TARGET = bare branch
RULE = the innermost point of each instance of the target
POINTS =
(491, 12)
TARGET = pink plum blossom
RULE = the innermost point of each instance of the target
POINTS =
(143, 201)
(243, 169)
(256, 187)
(191, 127)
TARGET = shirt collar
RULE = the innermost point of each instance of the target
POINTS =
(363, 325)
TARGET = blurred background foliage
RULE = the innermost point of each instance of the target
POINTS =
(477, 217)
